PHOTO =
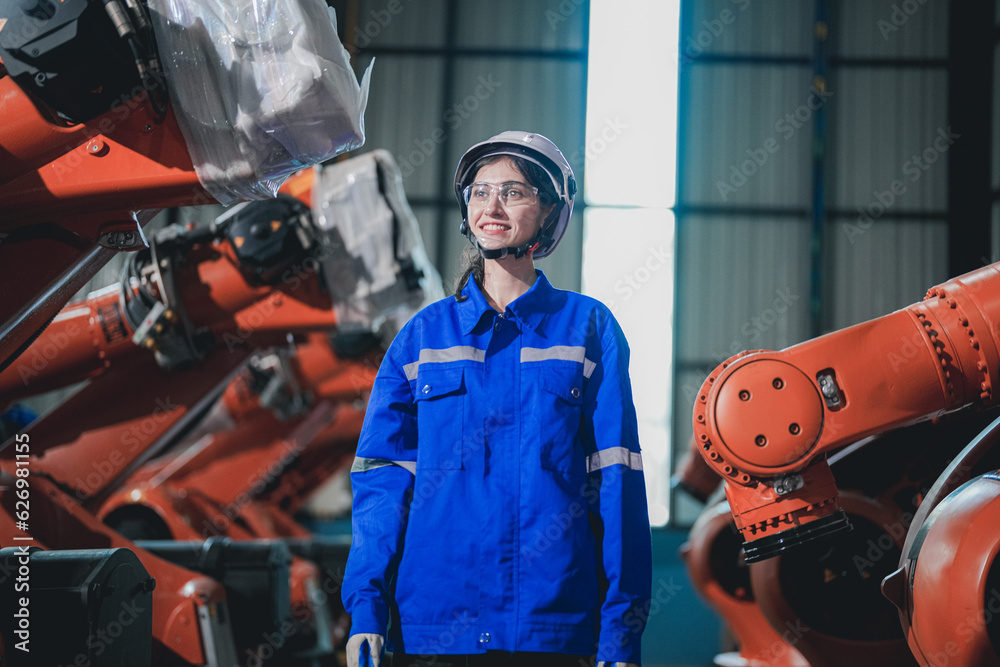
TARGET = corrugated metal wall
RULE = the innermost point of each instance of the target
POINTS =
(449, 74)
(995, 181)
(789, 109)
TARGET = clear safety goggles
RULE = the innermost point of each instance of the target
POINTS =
(511, 193)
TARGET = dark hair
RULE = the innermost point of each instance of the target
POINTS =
(472, 262)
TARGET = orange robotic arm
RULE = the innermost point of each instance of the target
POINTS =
(765, 420)
(190, 290)
(89, 151)
(187, 299)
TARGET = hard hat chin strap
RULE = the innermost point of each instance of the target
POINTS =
(497, 253)
(543, 237)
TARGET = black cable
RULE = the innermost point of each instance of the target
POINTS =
(25, 345)
(135, 28)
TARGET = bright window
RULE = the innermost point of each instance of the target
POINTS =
(630, 189)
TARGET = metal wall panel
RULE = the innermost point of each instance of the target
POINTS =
(564, 267)
(749, 28)
(685, 393)
(404, 116)
(427, 219)
(523, 24)
(883, 122)
(749, 136)
(996, 117)
(452, 244)
(399, 23)
(995, 234)
(546, 96)
(743, 283)
(888, 101)
(745, 286)
(889, 28)
(429, 104)
(884, 268)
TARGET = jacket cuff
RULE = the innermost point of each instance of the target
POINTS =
(619, 645)
(370, 619)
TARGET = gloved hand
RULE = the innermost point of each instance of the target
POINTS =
(602, 663)
(365, 650)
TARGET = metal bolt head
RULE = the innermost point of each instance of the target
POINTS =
(826, 386)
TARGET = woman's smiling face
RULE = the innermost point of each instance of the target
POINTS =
(497, 225)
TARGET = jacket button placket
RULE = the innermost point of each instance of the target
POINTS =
(502, 377)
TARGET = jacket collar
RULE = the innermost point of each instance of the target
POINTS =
(531, 308)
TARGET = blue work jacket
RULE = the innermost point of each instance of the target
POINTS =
(499, 500)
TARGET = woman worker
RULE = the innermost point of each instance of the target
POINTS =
(499, 503)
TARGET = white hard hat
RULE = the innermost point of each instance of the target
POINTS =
(533, 148)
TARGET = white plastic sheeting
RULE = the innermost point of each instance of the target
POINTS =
(260, 88)
(374, 261)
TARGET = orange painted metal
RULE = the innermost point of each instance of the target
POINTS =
(214, 484)
(695, 476)
(63, 187)
(215, 292)
(94, 439)
(262, 518)
(300, 185)
(192, 515)
(80, 343)
(926, 360)
(233, 478)
(811, 591)
(952, 579)
(85, 338)
(331, 452)
(712, 557)
(57, 520)
(344, 382)
(121, 161)
(232, 465)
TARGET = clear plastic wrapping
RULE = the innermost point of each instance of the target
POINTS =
(260, 88)
(374, 259)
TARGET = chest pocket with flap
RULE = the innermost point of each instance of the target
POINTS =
(440, 397)
(559, 416)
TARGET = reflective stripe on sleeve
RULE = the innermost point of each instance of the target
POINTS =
(362, 464)
(612, 456)
(575, 353)
(456, 353)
